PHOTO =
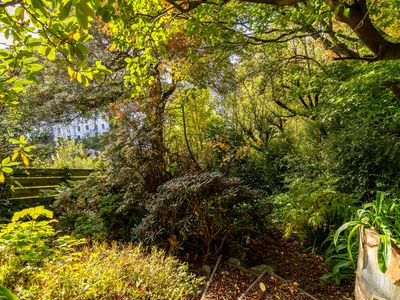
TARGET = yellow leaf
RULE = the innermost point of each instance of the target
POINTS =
(21, 15)
(15, 155)
(2, 177)
(71, 73)
(262, 286)
(25, 159)
(33, 213)
(77, 35)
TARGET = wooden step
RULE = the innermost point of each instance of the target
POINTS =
(51, 172)
(43, 181)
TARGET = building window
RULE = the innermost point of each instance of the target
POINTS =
(79, 137)
(102, 126)
(96, 127)
(79, 128)
(87, 127)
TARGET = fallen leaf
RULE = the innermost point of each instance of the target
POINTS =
(262, 286)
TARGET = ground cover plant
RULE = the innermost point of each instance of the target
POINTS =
(36, 263)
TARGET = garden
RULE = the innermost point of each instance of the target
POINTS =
(200, 149)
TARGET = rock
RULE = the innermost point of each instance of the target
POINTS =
(206, 269)
(257, 270)
(234, 261)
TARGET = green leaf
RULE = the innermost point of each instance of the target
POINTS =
(5, 161)
(85, 80)
(104, 13)
(351, 233)
(87, 9)
(37, 3)
(51, 54)
(79, 53)
(340, 230)
(380, 197)
(65, 9)
(34, 42)
(7, 170)
(384, 253)
(81, 16)
(35, 67)
(346, 12)
(6, 294)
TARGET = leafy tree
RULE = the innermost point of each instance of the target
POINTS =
(279, 20)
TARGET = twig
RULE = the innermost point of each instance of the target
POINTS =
(211, 277)
(267, 270)
(253, 284)
(300, 290)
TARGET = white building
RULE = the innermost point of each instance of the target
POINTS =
(80, 128)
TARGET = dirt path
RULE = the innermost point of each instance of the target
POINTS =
(287, 260)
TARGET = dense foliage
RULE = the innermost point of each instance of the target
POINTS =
(38, 264)
(66, 154)
(227, 116)
(203, 211)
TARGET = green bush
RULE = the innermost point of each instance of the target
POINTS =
(262, 170)
(113, 272)
(67, 154)
(25, 245)
(203, 211)
(382, 216)
(96, 209)
(341, 267)
(312, 209)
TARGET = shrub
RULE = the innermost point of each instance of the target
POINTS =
(25, 245)
(202, 210)
(312, 209)
(341, 267)
(382, 216)
(40, 265)
(261, 170)
(95, 208)
(113, 272)
(68, 154)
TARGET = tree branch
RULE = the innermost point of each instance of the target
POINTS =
(11, 3)
(359, 21)
(276, 2)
